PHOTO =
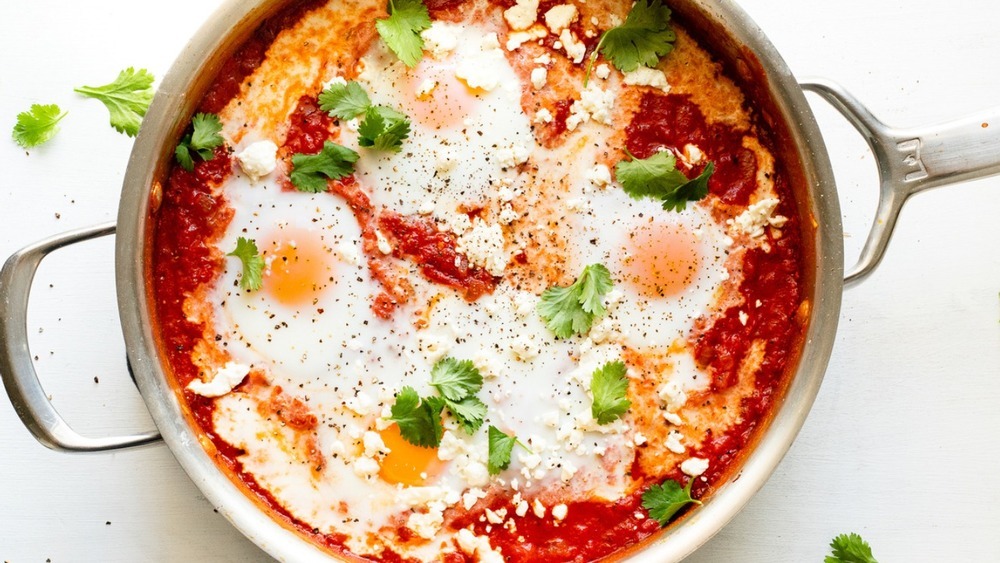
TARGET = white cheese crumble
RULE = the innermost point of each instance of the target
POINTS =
(538, 77)
(365, 466)
(744, 318)
(517, 38)
(425, 88)
(757, 216)
(224, 380)
(521, 15)
(538, 508)
(599, 176)
(575, 49)
(672, 395)
(383, 243)
(373, 444)
(645, 76)
(560, 511)
(693, 154)
(514, 155)
(594, 104)
(694, 466)
(602, 71)
(673, 442)
(479, 546)
(560, 17)
(425, 524)
(543, 116)
(472, 496)
(483, 245)
(439, 40)
(258, 159)
(477, 70)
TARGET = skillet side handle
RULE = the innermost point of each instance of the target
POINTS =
(913, 160)
(16, 367)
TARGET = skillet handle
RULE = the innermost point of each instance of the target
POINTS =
(16, 367)
(913, 160)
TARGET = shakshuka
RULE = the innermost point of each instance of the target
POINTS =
(477, 280)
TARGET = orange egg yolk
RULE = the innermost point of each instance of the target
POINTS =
(663, 259)
(447, 104)
(405, 463)
(299, 268)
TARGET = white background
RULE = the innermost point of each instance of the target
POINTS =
(903, 444)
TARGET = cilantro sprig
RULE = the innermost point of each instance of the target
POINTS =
(666, 499)
(850, 548)
(205, 135)
(609, 386)
(37, 125)
(127, 98)
(500, 448)
(572, 309)
(253, 263)
(657, 177)
(382, 128)
(641, 39)
(310, 172)
(419, 418)
(401, 30)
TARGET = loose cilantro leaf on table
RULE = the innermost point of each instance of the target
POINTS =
(850, 548)
(572, 310)
(127, 98)
(657, 177)
(642, 39)
(419, 420)
(383, 128)
(609, 386)
(455, 379)
(401, 30)
(345, 101)
(206, 135)
(37, 125)
(310, 172)
(253, 263)
(664, 500)
(501, 446)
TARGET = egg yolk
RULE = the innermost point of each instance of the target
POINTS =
(405, 463)
(447, 104)
(299, 268)
(663, 259)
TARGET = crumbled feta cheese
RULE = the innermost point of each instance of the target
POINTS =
(521, 509)
(517, 38)
(472, 496)
(560, 17)
(484, 245)
(602, 71)
(693, 154)
(513, 155)
(757, 216)
(560, 511)
(427, 207)
(476, 75)
(543, 59)
(673, 442)
(258, 159)
(521, 15)
(599, 176)
(365, 466)
(672, 418)
(507, 215)
(478, 546)
(349, 253)
(433, 346)
(538, 508)
(524, 348)
(383, 243)
(645, 76)
(475, 473)
(496, 516)
(594, 104)
(490, 42)
(568, 470)
(744, 318)
(224, 380)
(538, 76)
(373, 444)
(694, 466)
(543, 116)
(639, 439)
(425, 88)
(451, 446)
(439, 39)
(575, 49)
(425, 524)
(672, 395)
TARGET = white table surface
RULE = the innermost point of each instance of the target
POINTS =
(902, 445)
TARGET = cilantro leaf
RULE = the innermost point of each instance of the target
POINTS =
(205, 136)
(657, 177)
(572, 310)
(383, 128)
(37, 125)
(253, 263)
(642, 39)
(419, 420)
(470, 412)
(345, 101)
(401, 30)
(501, 446)
(850, 548)
(311, 171)
(455, 379)
(664, 500)
(127, 98)
(609, 387)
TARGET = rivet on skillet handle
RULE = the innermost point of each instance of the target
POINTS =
(913, 160)
(16, 367)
